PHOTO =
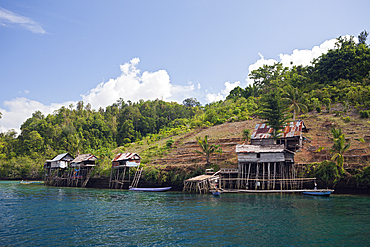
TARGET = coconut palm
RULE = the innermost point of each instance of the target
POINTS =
(207, 149)
(339, 147)
(294, 100)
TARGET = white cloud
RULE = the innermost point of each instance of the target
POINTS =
(210, 97)
(20, 109)
(8, 19)
(298, 57)
(130, 85)
(134, 85)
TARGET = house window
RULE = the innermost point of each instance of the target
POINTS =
(258, 156)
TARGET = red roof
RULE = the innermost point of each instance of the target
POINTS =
(126, 156)
(291, 129)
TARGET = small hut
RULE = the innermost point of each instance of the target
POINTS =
(81, 168)
(291, 136)
(120, 172)
(55, 170)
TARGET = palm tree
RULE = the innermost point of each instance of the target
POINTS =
(339, 147)
(207, 149)
(294, 100)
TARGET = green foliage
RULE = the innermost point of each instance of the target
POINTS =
(326, 171)
(246, 135)
(347, 119)
(327, 102)
(207, 149)
(339, 147)
(364, 113)
(363, 176)
(169, 143)
(294, 100)
(272, 109)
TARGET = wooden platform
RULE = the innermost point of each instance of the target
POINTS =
(273, 191)
(198, 178)
(199, 184)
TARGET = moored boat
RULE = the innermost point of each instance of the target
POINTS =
(318, 192)
(31, 182)
(161, 189)
(216, 192)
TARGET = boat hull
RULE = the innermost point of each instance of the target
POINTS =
(151, 189)
(317, 193)
(31, 182)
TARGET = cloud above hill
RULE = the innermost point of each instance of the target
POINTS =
(130, 85)
(298, 57)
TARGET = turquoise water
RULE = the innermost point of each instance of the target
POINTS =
(36, 215)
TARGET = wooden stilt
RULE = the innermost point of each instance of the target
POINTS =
(256, 183)
(268, 175)
(249, 171)
(263, 175)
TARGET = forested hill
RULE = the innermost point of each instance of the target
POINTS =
(342, 75)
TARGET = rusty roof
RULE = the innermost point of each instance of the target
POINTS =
(126, 156)
(84, 157)
(292, 129)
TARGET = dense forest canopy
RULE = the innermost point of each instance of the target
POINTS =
(342, 75)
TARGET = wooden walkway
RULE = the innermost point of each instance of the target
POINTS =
(274, 191)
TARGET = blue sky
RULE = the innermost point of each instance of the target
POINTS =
(55, 53)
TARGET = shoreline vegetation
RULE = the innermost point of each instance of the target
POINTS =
(330, 94)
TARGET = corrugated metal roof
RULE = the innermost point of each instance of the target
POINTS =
(291, 129)
(84, 157)
(126, 156)
(260, 148)
(60, 157)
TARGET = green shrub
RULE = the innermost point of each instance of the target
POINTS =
(365, 114)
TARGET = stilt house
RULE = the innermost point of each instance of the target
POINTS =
(56, 168)
(265, 167)
(291, 136)
(82, 166)
(121, 165)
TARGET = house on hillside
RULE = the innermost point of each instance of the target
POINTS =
(82, 166)
(291, 136)
(121, 165)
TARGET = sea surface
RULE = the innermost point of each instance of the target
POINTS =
(37, 215)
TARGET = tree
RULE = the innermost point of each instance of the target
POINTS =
(266, 75)
(246, 135)
(272, 109)
(207, 149)
(362, 37)
(190, 102)
(294, 100)
(347, 60)
(339, 147)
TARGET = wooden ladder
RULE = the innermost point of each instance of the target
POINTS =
(87, 178)
(137, 176)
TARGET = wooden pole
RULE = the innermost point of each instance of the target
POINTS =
(263, 175)
(256, 177)
(249, 170)
(268, 175)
